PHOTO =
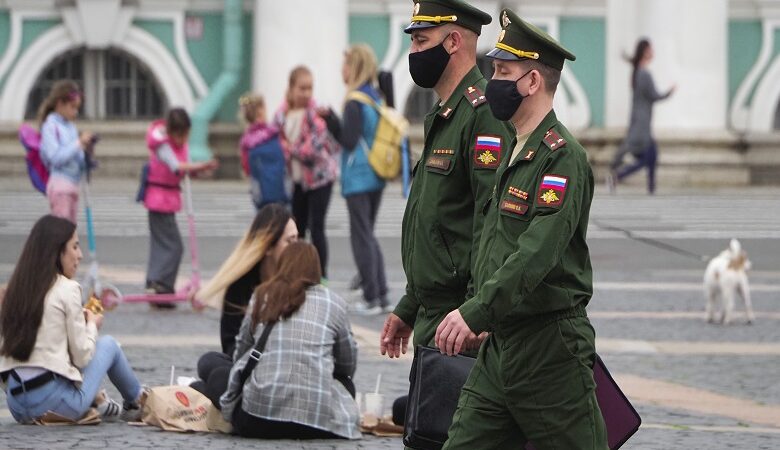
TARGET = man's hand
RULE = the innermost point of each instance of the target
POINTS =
(474, 344)
(395, 337)
(452, 333)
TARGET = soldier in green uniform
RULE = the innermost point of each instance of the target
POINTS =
(464, 145)
(533, 379)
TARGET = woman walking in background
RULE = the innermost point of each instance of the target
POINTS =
(360, 185)
(310, 152)
(63, 148)
(639, 140)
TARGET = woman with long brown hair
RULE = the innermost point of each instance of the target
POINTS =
(63, 147)
(301, 388)
(51, 358)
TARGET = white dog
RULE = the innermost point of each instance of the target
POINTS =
(724, 279)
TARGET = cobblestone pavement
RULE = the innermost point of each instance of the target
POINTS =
(647, 312)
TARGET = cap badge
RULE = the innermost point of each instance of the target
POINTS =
(505, 20)
(416, 8)
(501, 35)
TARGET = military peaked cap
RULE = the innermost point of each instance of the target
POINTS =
(520, 40)
(432, 13)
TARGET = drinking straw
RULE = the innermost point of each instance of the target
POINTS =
(172, 370)
(378, 382)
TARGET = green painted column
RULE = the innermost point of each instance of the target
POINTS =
(227, 81)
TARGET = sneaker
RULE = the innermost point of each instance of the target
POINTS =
(108, 409)
(365, 309)
(388, 309)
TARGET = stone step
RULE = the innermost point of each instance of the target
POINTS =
(685, 159)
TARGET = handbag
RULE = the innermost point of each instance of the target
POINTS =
(441, 378)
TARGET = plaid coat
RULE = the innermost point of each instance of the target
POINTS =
(293, 381)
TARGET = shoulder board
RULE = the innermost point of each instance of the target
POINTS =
(553, 140)
(475, 96)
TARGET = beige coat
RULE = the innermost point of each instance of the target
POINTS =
(65, 342)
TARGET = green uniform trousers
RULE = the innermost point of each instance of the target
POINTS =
(537, 387)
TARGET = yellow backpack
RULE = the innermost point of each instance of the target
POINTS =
(384, 156)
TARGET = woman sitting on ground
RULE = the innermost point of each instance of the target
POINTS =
(302, 386)
(51, 358)
(252, 262)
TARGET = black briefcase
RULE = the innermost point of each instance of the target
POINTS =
(436, 382)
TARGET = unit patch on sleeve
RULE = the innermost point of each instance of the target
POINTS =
(487, 152)
(515, 208)
(551, 190)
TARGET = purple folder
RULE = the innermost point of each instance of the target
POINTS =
(620, 417)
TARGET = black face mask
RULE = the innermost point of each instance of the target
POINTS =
(503, 97)
(426, 66)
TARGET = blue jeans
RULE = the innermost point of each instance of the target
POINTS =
(65, 398)
(648, 158)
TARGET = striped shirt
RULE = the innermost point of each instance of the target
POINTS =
(293, 382)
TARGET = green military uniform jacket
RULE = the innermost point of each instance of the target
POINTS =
(533, 259)
(464, 145)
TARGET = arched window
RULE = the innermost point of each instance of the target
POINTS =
(421, 100)
(116, 85)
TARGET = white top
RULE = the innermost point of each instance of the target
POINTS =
(65, 342)
(292, 131)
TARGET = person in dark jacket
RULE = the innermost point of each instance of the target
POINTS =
(639, 140)
(361, 187)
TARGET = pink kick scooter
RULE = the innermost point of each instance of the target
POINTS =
(186, 293)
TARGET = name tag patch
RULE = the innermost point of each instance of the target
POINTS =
(438, 163)
(552, 190)
(516, 208)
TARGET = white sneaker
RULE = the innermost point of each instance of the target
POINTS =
(364, 309)
(108, 409)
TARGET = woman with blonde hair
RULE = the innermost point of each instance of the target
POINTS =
(301, 388)
(253, 260)
(360, 185)
(310, 153)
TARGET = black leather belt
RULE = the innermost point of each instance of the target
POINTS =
(31, 384)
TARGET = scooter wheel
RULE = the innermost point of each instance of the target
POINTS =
(110, 298)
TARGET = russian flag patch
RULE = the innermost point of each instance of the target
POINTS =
(551, 190)
(487, 151)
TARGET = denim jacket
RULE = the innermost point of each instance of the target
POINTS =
(61, 149)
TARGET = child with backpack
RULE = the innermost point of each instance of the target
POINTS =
(62, 148)
(262, 156)
(168, 163)
(360, 185)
